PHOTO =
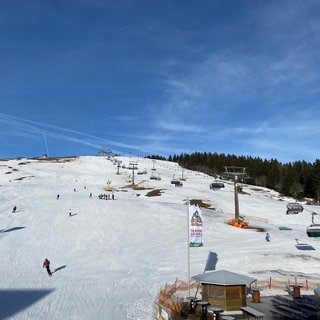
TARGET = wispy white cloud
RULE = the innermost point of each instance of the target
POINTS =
(175, 126)
(265, 90)
(25, 128)
(248, 84)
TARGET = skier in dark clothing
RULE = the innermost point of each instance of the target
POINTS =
(46, 264)
(14, 209)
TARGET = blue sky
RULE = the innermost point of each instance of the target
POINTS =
(160, 77)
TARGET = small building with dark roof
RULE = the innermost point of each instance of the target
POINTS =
(224, 289)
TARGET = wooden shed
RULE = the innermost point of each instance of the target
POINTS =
(224, 289)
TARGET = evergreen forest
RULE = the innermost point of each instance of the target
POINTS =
(299, 179)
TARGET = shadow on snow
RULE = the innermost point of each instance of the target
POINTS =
(13, 301)
(59, 268)
(304, 246)
(11, 229)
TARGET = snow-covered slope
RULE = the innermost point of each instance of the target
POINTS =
(112, 257)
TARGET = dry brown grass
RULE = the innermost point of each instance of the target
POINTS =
(154, 193)
(256, 189)
(58, 159)
(22, 163)
(201, 204)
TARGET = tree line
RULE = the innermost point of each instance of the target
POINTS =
(299, 179)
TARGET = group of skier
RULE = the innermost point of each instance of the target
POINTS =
(106, 196)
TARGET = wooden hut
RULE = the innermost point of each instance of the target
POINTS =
(224, 289)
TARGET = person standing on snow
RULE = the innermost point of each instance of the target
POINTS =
(268, 236)
(69, 212)
(46, 264)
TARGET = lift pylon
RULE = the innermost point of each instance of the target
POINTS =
(237, 174)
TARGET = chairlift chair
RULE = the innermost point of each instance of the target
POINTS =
(314, 229)
(216, 185)
(176, 182)
(294, 208)
(154, 177)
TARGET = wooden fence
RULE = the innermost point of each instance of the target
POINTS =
(171, 296)
(284, 283)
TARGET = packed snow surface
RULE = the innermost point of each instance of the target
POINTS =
(111, 257)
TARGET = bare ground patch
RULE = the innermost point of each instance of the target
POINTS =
(154, 193)
(58, 159)
(201, 204)
(23, 163)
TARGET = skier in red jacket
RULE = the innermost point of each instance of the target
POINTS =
(46, 264)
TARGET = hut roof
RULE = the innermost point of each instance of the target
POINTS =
(223, 277)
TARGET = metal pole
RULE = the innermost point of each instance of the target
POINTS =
(188, 243)
(236, 200)
(46, 144)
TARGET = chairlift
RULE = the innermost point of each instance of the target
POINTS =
(176, 182)
(216, 185)
(154, 177)
(294, 208)
(142, 172)
(314, 229)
